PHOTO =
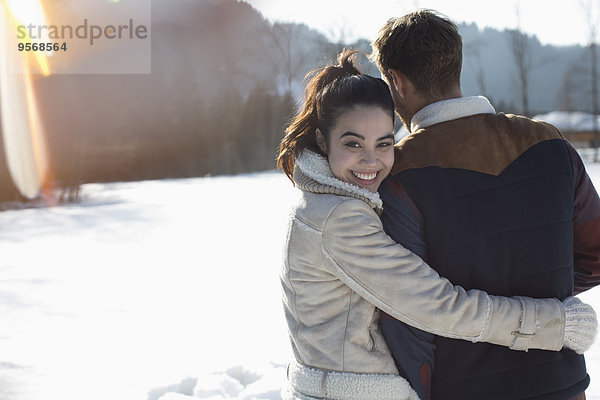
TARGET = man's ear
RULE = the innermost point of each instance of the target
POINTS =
(321, 142)
(399, 81)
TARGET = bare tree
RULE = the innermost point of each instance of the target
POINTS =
(590, 11)
(521, 51)
(286, 56)
(340, 35)
(473, 50)
(572, 87)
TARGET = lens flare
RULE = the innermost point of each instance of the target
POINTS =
(22, 133)
(31, 12)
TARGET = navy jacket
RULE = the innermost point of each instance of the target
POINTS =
(500, 203)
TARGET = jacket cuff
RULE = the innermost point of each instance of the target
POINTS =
(541, 327)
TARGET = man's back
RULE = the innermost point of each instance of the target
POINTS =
(488, 201)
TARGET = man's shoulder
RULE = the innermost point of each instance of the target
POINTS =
(526, 124)
(484, 143)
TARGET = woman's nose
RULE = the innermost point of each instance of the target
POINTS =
(369, 157)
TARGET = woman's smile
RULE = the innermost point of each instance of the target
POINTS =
(367, 176)
(360, 146)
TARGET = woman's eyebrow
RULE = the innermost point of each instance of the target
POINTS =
(350, 133)
(388, 136)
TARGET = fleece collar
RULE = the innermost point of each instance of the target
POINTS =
(448, 110)
(312, 173)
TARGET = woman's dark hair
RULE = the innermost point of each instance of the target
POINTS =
(330, 92)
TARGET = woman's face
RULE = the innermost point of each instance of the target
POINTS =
(360, 147)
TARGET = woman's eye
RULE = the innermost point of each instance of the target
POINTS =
(352, 144)
(384, 144)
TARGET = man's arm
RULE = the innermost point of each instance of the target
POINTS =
(586, 229)
(401, 218)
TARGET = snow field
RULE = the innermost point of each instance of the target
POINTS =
(157, 290)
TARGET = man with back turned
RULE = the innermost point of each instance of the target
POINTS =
(491, 201)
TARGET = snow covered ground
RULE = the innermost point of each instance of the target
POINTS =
(570, 121)
(154, 290)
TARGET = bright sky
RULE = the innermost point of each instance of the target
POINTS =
(559, 22)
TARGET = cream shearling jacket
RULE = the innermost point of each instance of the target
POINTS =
(340, 268)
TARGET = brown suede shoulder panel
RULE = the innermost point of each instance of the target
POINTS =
(486, 143)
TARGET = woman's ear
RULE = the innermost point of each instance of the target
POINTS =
(321, 142)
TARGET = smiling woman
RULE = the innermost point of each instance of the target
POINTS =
(360, 146)
(347, 114)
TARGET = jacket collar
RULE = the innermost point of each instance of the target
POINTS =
(313, 174)
(447, 110)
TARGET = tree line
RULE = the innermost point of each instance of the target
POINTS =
(223, 86)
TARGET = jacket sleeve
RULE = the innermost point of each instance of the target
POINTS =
(401, 218)
(356, 250)
(586, 229)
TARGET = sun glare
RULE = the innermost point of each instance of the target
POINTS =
(31, 12)
(22, 133)
(27, 11)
